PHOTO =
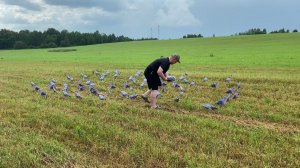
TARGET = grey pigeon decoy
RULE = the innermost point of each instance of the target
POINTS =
(65, 87)
(70, 78)
(91, 86)
(126, 85)
(101, 97)
(94, 91)
(231, 90)
(164, 86)
(84, 76)
(116, 73)
(138, 73)
(228, 97)
(111, 86)
(192, 83)
(171, 78)
(235, 95)
(88, 82)
(209, 106)
(181, 78)
(181, 89)
(77, 95)
(52, 85)
(96, 72)
(174, 84)
(205, 79)
(133, 96)
(132, 79)
(80, 86)
(228, 79)
(35, 87)
(214, 85)
(43, 94)
(186, 81)
(222, 101)
(142, 85)
(176, 99)
(102, 76)
(158, 94)
(123, 93)
(239, 85)
(66, 94)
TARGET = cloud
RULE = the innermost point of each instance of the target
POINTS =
(108, 5)
(177, 13)
(26, 4)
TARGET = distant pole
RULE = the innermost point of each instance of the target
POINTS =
(151, 32)
(158, 32)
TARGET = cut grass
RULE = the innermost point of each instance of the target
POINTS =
(259, 129)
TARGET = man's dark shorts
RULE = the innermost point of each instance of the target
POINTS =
(153, 80)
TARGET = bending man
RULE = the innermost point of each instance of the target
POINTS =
(154, 71)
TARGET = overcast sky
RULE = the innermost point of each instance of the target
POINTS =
(143, 18)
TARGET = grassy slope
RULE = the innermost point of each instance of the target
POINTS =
(260, 129)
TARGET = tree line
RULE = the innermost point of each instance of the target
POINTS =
(252, 31)
(52, 38)
(264, 31)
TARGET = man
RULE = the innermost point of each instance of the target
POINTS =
(157, 69)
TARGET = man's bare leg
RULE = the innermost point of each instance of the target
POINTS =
(153, 99)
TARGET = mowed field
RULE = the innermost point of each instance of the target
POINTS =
(259, 129)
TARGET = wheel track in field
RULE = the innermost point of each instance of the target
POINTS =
(278, 127)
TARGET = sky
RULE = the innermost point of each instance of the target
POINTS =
(163, 19)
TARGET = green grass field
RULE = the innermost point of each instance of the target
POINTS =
(260, 129)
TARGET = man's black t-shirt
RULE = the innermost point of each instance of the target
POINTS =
(153, 67)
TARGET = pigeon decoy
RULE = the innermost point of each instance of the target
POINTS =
(96, 72)
(228, 97)
(214, 85)
(70, 78)
(239, 85)
(171, 78)
(80, 86)
(209, 106)
(230, 90)
(235, 95)
(228, 79)
(35, 87)
(66, 94)
(174, 84)
(111, 86)
(186, 81)
(102, 76)
(158, 94)
(133, 96)
(77, 95)
(94, 91)
(84, 76)
(132, 79)
(176, 99)
(222, 101)
(123, 93)
(205, 79)
(52, 86)
(43, 94)
(65, 87)
(181, 78)
(192, 83)
(101, 97)
(88, 82)
(126, 85)
(142, 85)
(163, 86)
(181, 89)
